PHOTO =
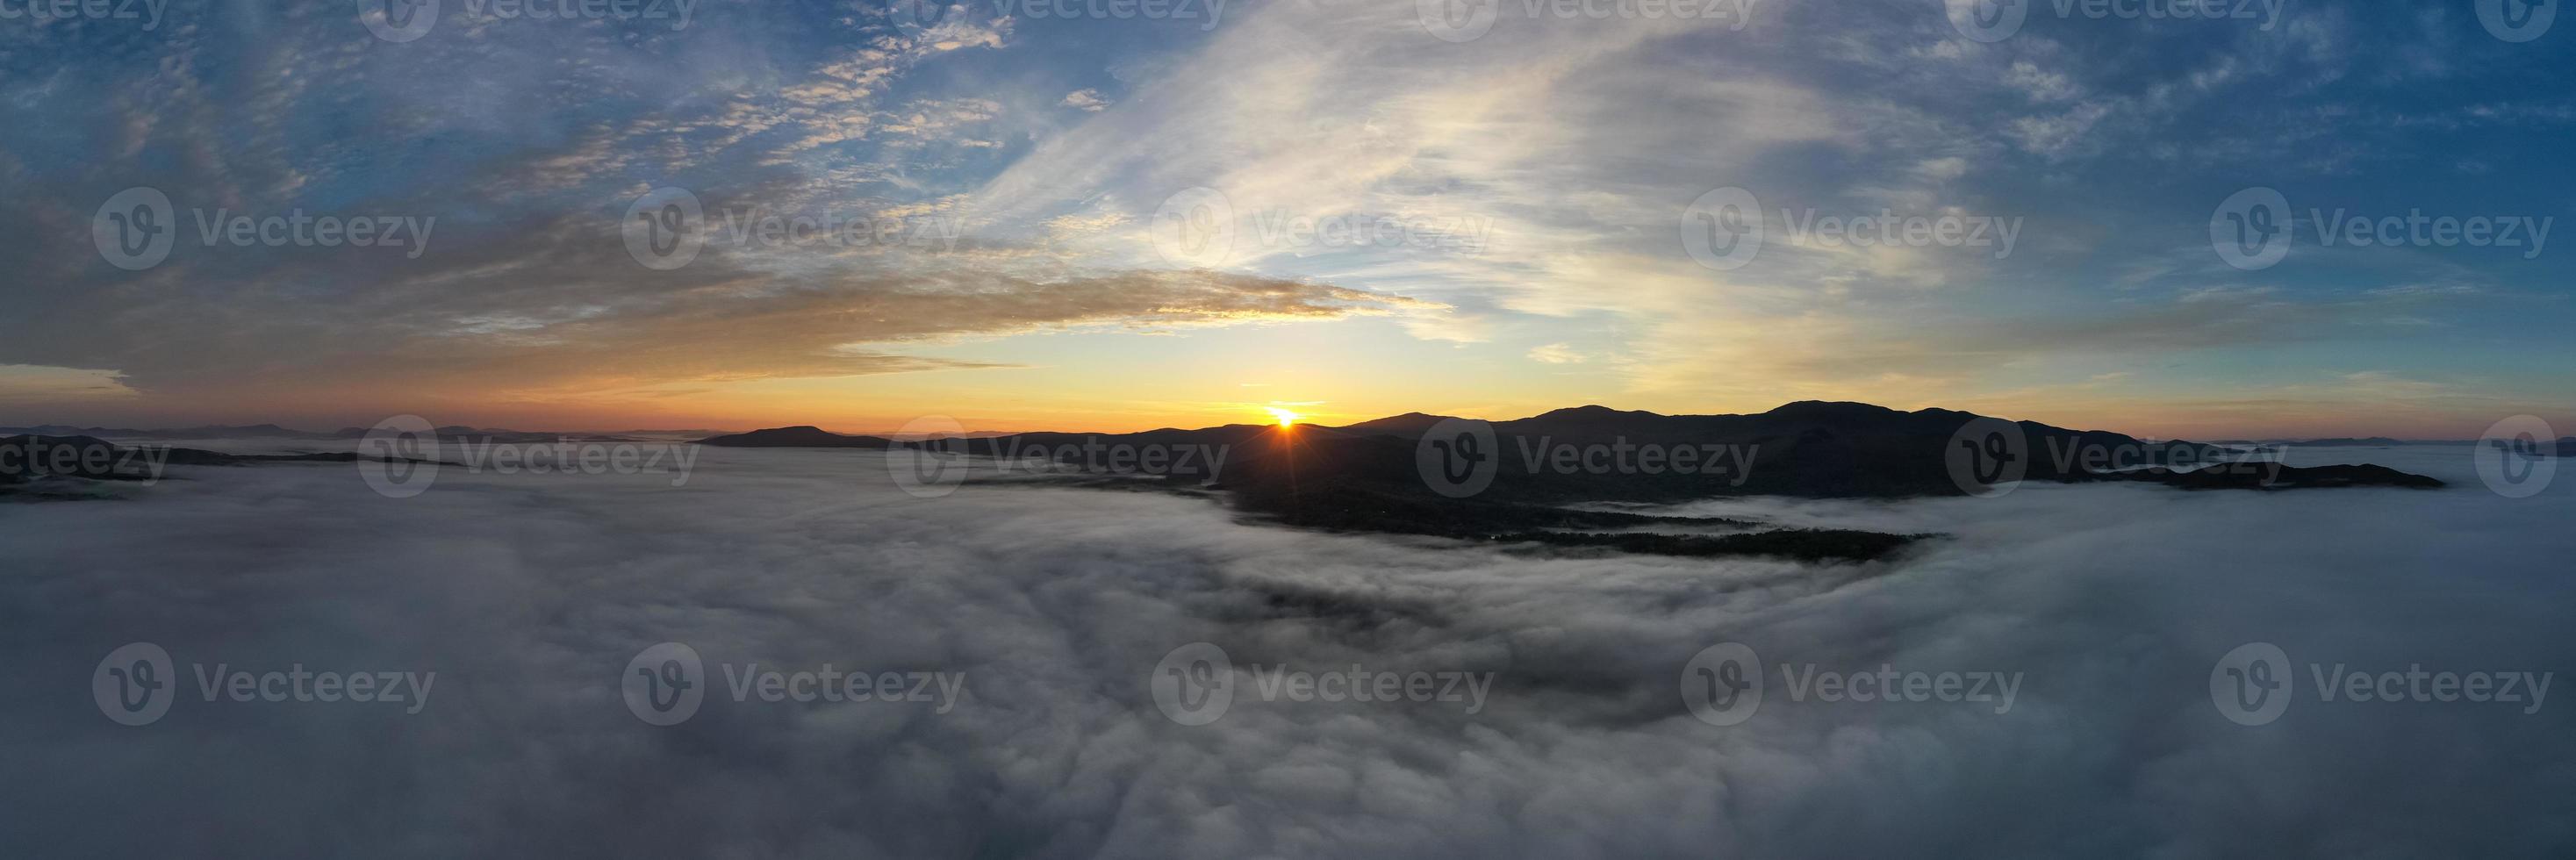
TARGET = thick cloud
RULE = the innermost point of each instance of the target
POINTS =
(528, 594)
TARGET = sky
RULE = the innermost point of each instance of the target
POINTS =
(1054, 216)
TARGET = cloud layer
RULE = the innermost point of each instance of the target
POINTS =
(527, 595)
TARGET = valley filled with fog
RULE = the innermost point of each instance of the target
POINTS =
(527, 595)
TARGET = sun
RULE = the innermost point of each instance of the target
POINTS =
(1285, 417)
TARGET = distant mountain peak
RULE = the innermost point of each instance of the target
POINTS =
(1594, 412)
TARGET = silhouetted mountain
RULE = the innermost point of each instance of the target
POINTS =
(29, 458)
(804, 436)
(1371, 476)
(488, 435)
(1410, 425)
(2349, 442)
(260, 431)
(1379, 475)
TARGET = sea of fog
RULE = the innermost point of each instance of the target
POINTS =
(1047, 613)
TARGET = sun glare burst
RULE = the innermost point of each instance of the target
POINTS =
(1284, 417)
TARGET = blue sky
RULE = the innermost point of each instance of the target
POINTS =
(1523, 197)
